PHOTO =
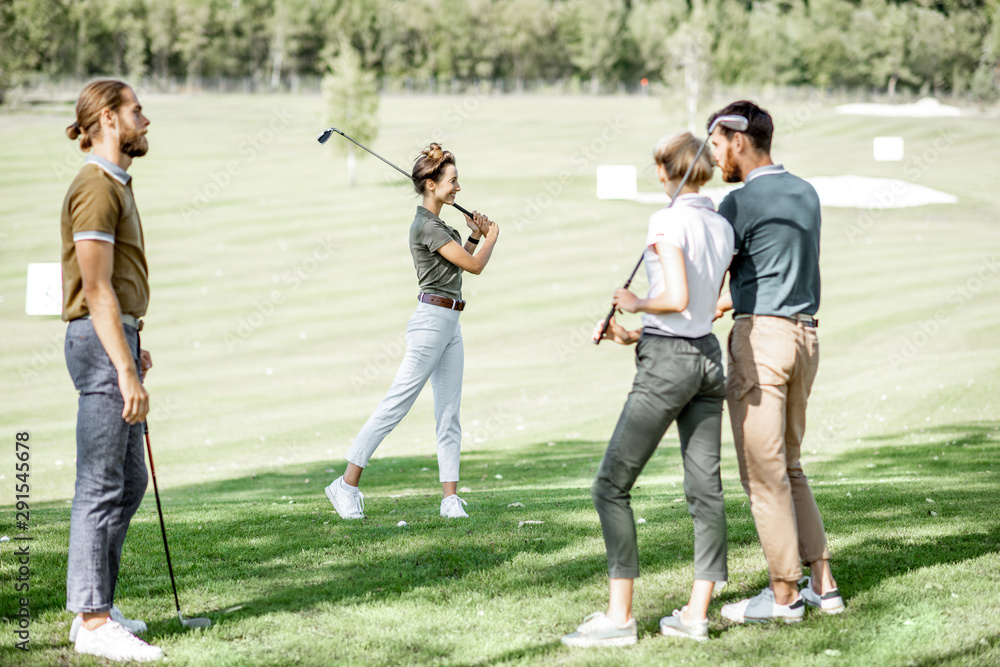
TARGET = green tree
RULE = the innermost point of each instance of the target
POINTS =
(163, 38)
(350, 102)
(31, 35)
(526, 36)
(824, 54)
(928, 45)
(690, 47)
(985, 84)
(595, 50)
(194, 33)
(889, 64)
(652, 23)
(126, 22)
(946, 45)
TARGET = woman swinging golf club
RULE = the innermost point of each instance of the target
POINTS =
(433, 336)
(679, 378)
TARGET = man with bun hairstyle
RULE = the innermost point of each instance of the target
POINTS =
(105, 292)
(679, 378)
(773, 359)
(434, 347)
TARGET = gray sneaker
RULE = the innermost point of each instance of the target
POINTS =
(829, 603)
(598, 630)
(347, 500)
(674, 626)
(762, 608)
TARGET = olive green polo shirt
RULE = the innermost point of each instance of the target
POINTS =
(99, 206)
(436, 275)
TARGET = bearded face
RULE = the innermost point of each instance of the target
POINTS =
(731, 172)
(133, 141)
(132, 126)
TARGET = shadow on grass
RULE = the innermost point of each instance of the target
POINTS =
(877, 497)
(292, 554)
(519, 654)
(276, 539)
(985, 653)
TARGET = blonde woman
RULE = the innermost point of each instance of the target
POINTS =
(434, 347)
(679, 378)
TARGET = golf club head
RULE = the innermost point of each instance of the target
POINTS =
(194, 622)
(731, 122)
(326, 134)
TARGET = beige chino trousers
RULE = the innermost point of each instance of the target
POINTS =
(772, 365)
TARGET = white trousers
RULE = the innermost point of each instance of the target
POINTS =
(434, 351)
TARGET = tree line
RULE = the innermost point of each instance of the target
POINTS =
(949, 46)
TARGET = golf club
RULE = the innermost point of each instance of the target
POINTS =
(328, 132)
(186, 622)
(731, 122)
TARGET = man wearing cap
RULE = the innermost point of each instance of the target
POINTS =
(773, 359)
(105, 292)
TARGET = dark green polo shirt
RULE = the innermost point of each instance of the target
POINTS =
(436, 275)
(775, 269)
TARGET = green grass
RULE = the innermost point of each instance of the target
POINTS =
(897, 416)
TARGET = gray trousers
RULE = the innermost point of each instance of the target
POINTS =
(677, 379)
(434, 351)
(110, 471)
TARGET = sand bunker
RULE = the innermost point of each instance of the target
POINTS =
(843, 192)
(928, 107)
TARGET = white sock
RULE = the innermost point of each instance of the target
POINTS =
(343, 482)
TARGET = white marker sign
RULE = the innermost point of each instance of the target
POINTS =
(888, 149)
(616, 182)
(44, 292)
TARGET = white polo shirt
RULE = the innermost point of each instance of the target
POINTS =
(707, 241)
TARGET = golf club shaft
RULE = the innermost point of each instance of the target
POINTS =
(159, 509)
(365, 148)
(611, 313)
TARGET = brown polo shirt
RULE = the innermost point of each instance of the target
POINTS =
(99, 206)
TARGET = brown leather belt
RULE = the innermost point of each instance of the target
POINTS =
(435, 300)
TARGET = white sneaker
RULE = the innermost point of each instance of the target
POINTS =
(114, 642)
(675, 626)
(347, 500)
(136, 627)
(598, 630)
(762, 608)
(830, 602)
(451, 507)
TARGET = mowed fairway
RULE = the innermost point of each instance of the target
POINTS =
(279, 300)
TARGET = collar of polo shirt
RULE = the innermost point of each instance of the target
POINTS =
(766, 170)
(695, 199)
(111, 168)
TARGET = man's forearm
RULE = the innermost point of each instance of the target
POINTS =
(106, 316)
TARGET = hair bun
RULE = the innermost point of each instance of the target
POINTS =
(430, 164)
(434, 153)
(73, 131)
